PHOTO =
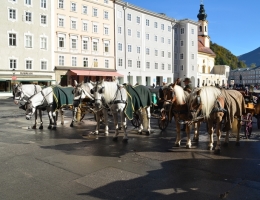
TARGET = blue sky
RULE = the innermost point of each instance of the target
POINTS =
(233, 24)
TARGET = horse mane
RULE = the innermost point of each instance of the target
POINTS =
(181, 95)
(110, 91)
(208, 95)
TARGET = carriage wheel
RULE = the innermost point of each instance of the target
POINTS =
(136, 121)
(258, 121)
(163, 121)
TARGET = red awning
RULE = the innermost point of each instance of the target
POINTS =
(95, 73)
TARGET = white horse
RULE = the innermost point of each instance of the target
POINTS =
(82, 92)
(217, 106)
(22, 93)
(45, 98)
(115, 97)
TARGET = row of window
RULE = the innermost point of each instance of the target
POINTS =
(43, 3)
(147, 64)
(28, 64)
(28, 40)
(12, 15)
(85, 62)
(85, 27)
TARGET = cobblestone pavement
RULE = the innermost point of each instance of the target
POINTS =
(70, 163)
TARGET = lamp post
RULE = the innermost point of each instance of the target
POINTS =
(129, 78)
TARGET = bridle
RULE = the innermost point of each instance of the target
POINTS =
(20, 91)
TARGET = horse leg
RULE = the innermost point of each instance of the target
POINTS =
(74, 119)
(54, 117)
(40, 115)
(218, 132)
(123, 120)
(148, 113)
(178, 136)
(115, 116)
(210, 131)
(188, 144)
(50, 118)
(104, 111)
(97, 114)
(140, 128)
(35, 121)
(61, 116)
(196, 131)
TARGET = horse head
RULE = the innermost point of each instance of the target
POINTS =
(29, 110)
(18, 93)
(98, 91)
(194, 104)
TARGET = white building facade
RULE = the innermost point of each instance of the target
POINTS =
(144, 45)
(25, 45)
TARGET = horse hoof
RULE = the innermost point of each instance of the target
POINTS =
(34, 127)
(71, 125)
(225, 144)
(188, 146)
(147, 133)
(140, 133)
(237, 144)
(125, 140)
(115, 139)
(62, 123)
(53, 128)
(217, 151)
(41, 127)
(176, 145)
(210, 148)
(49, 127)
(195, 140)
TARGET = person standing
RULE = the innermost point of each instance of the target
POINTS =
(188, 86)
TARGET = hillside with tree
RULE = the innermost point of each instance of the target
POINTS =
(225, 57)
(251, 58)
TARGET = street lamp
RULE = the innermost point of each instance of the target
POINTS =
(129, 78)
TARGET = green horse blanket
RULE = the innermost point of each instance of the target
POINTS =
(137, 97)
(62, 96)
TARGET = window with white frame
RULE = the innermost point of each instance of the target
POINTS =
(120, 47)
(12, 39)
(182, 43)
(74, 61)
(85, 62)
(28, 64)
(43, 42)
(95, 46)
(73, 24)
(147, 36)
(192, 56)
(138, 20)
(61, 42)
(169, 67)
(192, 67)
(129, 48)
(147, 65)
(169, 28)
(95, 12)
(147, 22)
(138, 50)
(28, 2)
(95, 62)
(119, 14)
(28, 41)
(85, 44)
(105, 14)
(192, 43)
(120, 62)
(84, 26)
(155, 25)
(61, 4)
(155, 65)
(169, 41)
(155, 38)
(138, 64)
(12, 14)
(73, 7)
(162, 26)
(181, 56)
(106, 63)
(73, 43)
(156, 52)
(169, 55)
(162, 66)
(43, 3)
(43, 19)
(192, 31)
(12, 63)
(105, 30)
(119, 29)
(43, 65)
(84, 9)
(147, 51)
(61, 22)
(61, 60)
(182, 30)
(28, 16)
(129, 62)
(129, 31)
(129, 17)
(181, 67)
(162, 39)
(138, 34)
(106, 46)
(162, 53)
(106, 1)
(95, 28)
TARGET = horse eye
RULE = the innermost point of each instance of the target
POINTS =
(92, 91)
(100, 90)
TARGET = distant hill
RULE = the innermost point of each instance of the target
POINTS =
(225, 57)
(252, 57)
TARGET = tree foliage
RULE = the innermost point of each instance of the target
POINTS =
(225, 57)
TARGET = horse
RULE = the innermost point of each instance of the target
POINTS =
(22, 92)
(176, 97)
(116, 98)
(82, 92)
(217, 106)
(50, 98)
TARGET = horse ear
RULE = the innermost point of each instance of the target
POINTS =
(75, 82)
(198, 92)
